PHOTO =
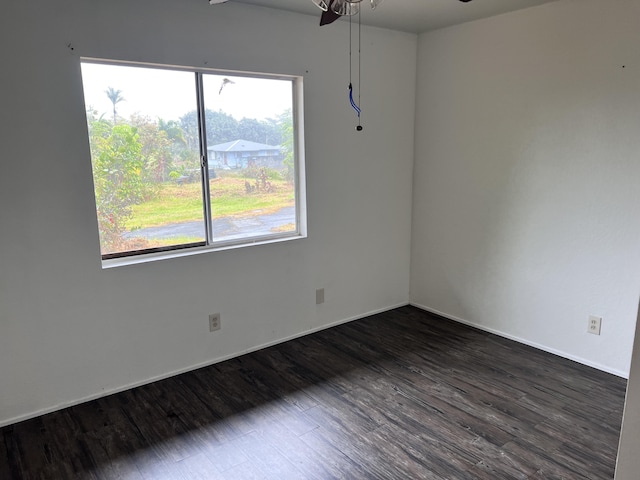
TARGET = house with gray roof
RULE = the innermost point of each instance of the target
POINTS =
(243, 154)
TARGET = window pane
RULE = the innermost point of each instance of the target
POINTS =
(250, 139)
(143, 134)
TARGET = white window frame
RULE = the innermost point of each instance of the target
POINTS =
(210, 243)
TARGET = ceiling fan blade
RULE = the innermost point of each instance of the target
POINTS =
(329, 16)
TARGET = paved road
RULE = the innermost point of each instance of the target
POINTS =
(223, 228)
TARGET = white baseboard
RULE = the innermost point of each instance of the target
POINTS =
(105, 393)
(524, 341)
(123, 388)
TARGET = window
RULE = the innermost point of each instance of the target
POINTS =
(192, 159)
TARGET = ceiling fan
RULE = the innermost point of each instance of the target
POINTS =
(334, 9)
(331, 11)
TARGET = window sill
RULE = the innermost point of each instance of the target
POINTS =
(218, 247)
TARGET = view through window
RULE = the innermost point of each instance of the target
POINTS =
(189, 158)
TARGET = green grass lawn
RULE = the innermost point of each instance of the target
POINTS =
(229, 198)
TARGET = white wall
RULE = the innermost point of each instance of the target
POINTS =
(70, 330)
(526, 158)
(526, 176)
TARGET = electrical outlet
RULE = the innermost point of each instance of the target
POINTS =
(594, 324)
(214, 322)
(319, 296)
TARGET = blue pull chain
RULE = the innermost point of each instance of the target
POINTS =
(352, 101)
(355, 106)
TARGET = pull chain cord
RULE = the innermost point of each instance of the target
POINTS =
(351, 100)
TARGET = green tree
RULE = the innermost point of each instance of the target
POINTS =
(118, 179)
(116, 97)
(184, 157)
(174, 132)
(156, 152)
(272, 131)
(189, 125)
(252, 130)
(221, 127)
(285, 120)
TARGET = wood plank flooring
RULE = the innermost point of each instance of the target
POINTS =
(399, 395)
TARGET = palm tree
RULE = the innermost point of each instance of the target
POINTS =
(115, 97)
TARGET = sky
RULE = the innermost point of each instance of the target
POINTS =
(169, 94)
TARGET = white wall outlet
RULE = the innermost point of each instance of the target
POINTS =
(319, 296)
(594, 324)
(214, 322)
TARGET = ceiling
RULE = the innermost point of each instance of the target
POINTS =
(414, 16)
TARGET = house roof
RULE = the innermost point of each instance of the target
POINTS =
(242, 146)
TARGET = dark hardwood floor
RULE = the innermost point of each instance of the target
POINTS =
(399, 395)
